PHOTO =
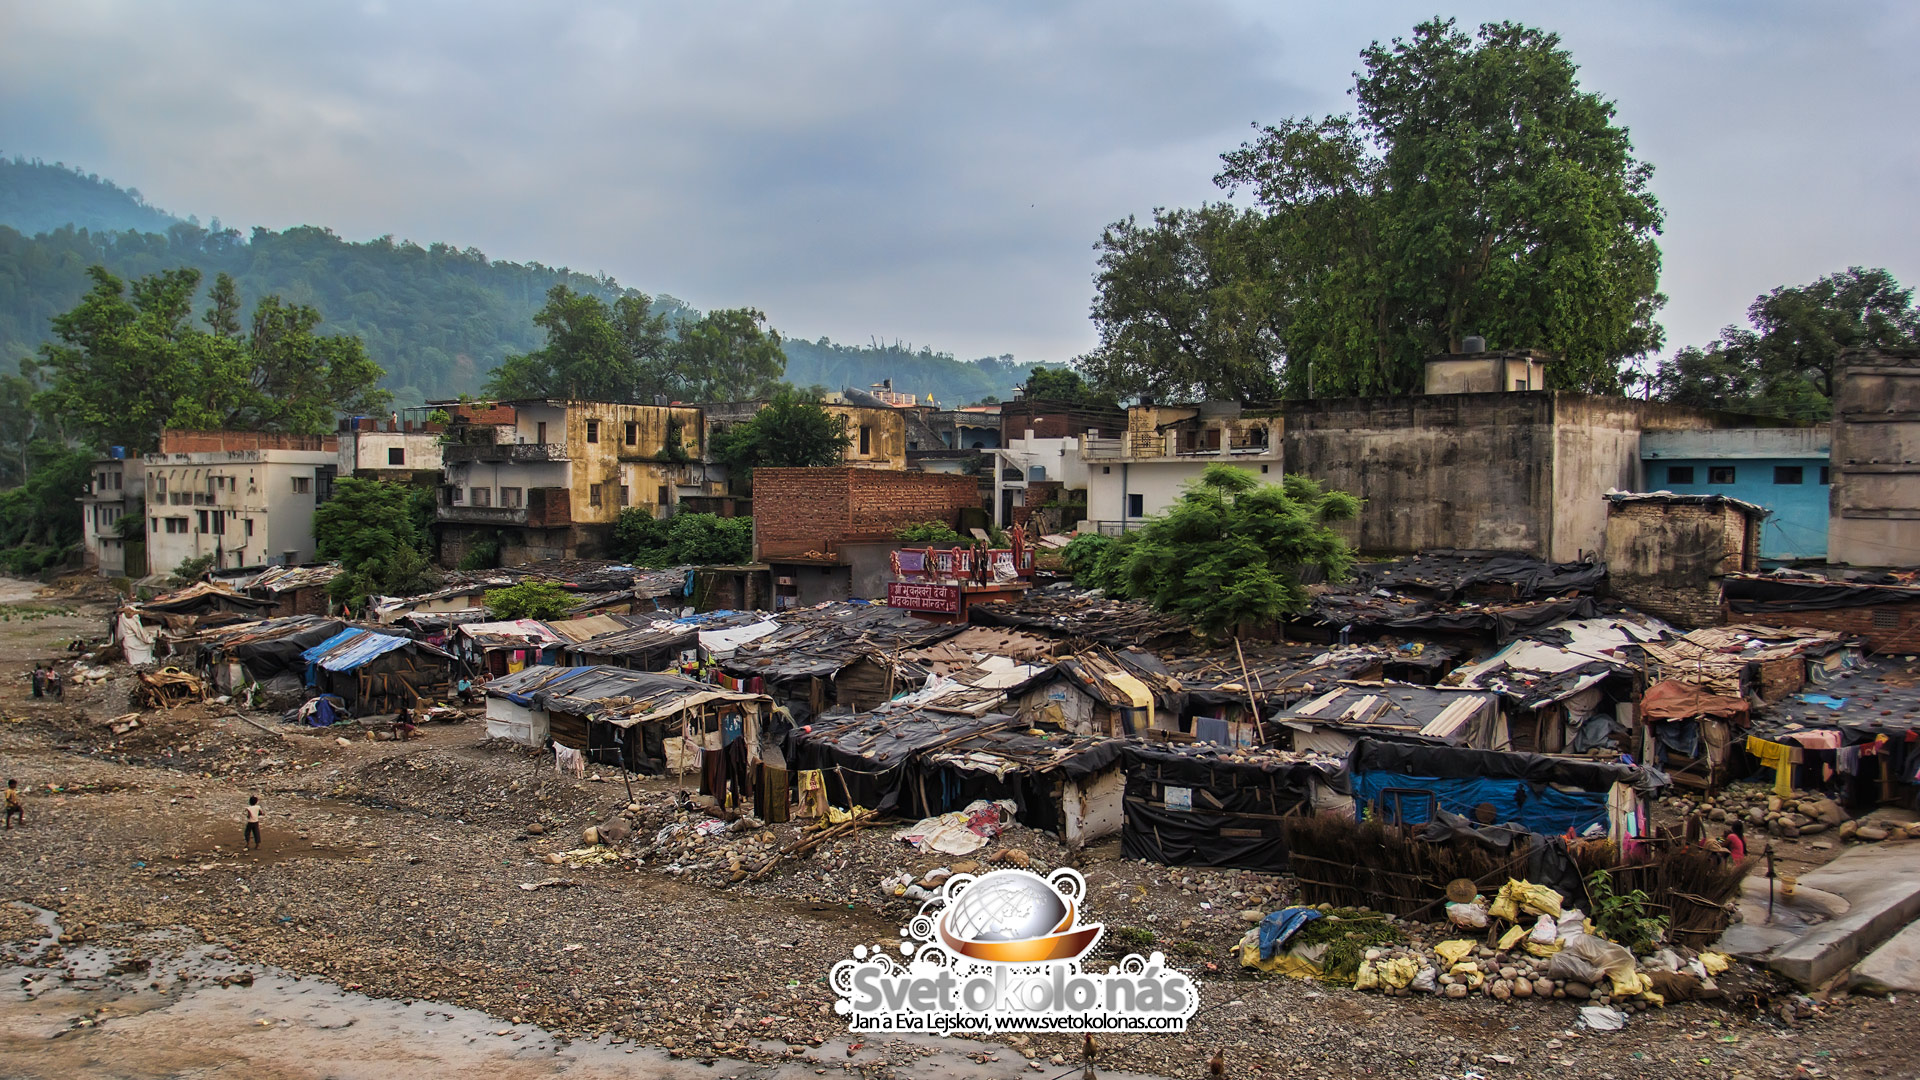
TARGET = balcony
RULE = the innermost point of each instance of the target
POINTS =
(484, 515)
(453, 453)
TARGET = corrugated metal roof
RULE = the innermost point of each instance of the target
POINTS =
(353, 647)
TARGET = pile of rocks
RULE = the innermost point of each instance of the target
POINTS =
(1801, 815)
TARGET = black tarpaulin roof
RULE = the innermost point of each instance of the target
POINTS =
(865, 756)
(1454, 762)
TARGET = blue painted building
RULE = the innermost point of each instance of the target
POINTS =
(1782, 469)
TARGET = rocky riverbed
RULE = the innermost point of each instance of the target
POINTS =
(395, 874)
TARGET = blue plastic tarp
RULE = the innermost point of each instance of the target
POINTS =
(351, 648)
(1280, 925)
(1544, 810)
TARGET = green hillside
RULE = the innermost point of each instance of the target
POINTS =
(436, 318)
(36, 197)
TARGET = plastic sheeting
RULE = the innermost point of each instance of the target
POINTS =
(1208, 808)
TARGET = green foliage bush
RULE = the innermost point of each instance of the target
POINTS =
(530, 600)
(928, 532)
(682, 540)
(377, 531)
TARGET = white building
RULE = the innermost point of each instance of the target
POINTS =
(1032, 459)
(245, 497)
(1145, 471)
(113, 492)
(391, 449)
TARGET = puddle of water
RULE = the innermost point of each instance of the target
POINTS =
(91, 1018)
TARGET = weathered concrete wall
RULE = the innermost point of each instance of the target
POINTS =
(1472, 471)
(1874, 503)
(1596, 448)
(1486, 373)
(1667, 558)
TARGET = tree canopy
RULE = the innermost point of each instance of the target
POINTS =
(1476, 190)
(791, 430)
(682, 539)
(378, 532)
(530, 600)
(129, 362)
(1227, 555)
(1781, 363)
(1062, 384)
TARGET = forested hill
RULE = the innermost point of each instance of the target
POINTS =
(436, 318)
(36, 197)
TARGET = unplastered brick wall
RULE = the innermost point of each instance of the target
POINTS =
(1667, 558)
(215, 442)
(800, 510)
(1887, 628)
(881, 502)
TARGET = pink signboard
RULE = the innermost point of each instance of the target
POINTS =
(913, 596)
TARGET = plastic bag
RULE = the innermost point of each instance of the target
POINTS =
(1586, 958)
(1397, 972)
(1427, 982)
(1518, 895)
(1546, 931)
(1471, 973)
(1714, 962)
(1467, 916)
(1512, 937)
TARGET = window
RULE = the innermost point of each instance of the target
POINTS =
(624, 501)
(396, 455)
(866, 440)
(633, 433)
(1886, 620)
(1679, 474)
(303, 485)
(1106, 470)
(456, 496)
(201, 517)
(1136, 506)
(159, 485)
(219, 522)
(593, 431)
(249, 527)
(1519, 384)
(540, 432)
(662, 500)
(513, 497)
(480, 496)
(1719, 474)
(593, 494)
(1789, 474)
(176, 524)
(1826, 475)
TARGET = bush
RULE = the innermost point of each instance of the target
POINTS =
(530, 600)
(929, 532)
(682, 540)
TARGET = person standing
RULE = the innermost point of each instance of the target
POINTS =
(39, 682)
(53, 684)
(15, 809)
(252, 835)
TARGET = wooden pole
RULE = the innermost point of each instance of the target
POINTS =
(1259, 726)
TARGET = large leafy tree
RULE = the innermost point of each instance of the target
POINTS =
(1476, 190)
(129, 362)
(377, 531)
(727, 355)
(682, 540)
(791, 430)
(1064, 385)
(595, 351)
(1227, 555)
(1781, 363)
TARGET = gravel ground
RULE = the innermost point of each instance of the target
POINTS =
(395, 871)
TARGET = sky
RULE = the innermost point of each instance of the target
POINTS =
(930, 173)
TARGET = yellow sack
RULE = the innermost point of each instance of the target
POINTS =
(1512, 937)
(1281, 963)
(1538, 949)
(1652, 998)
(1452, 952)
(1714, 962)
(1503, 907)
(1397, 972)
(1366, 978)
(1518, 895)
(836, 816)
(1629, 983)
(1469, 972)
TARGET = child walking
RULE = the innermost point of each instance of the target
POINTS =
(252, 835)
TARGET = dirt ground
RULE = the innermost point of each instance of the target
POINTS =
(383, 926)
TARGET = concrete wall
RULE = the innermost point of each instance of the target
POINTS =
(1667, 558)
(113, 491)
(884, 444)
(1486, 373)
(1874, 514)
(265, 499)
(1596, 448)
(1158, 484)
(369, 453)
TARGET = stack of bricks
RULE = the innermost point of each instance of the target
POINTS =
(219, 442)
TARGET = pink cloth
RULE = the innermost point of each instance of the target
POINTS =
(1814, 740)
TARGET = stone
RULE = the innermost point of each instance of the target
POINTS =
(1522, 988)
(1774, 803)
(1812, 828)
(1251, 916)
(1457, 990)
(1848, 828)
(1717, 814)
(536, 829)
(1791, 832)
(1579, 990)
(1825, 811)
(1543, 987)
(590, 836)
(1872, 832)
(1756, 816)
(1509, 973)
(1501, 990)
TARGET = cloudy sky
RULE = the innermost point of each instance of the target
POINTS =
(936, 173)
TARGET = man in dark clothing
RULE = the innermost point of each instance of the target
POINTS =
(39, 681)
(252, 834)
(14, 807)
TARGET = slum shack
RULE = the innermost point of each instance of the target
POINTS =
(1554, 796)
(1571, 686)
(1333, 722)
(1191, 805)
(1853, 733)
(657, 722)
(294, 590)
(516, 707)
(1105, 692)
(1069, 785)
(865, 759)
(1472, 597)
(1083, 617)
(1229, 692)
(147, 631)
(266, 654)
(373, 673)
(800, 663)
(492, 649)
(644, 646)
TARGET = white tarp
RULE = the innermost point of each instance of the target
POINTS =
(720, 644)
(1593, 639)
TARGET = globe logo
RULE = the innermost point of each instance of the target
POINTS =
(1014, 916)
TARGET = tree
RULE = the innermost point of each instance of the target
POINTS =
(791, 430)
(374, 530)
(1060, 384)
(682, 540)
(129, 363)
(1227, 556)
(1477, 190)
(595, 351)
(727, 355)
(1781, 363)
(530, 600)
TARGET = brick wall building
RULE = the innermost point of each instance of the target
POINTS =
(797, 511)
(1887, 617)
(1666, 554)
